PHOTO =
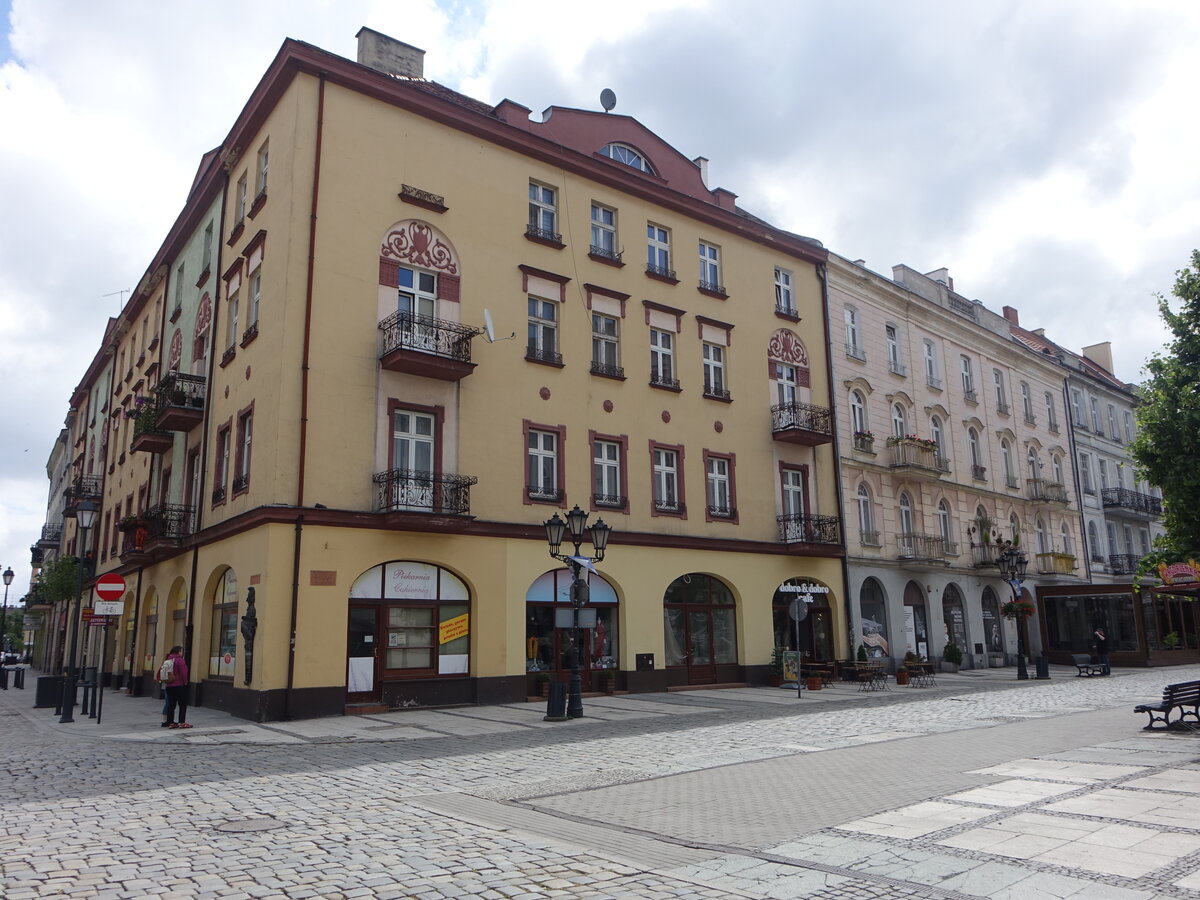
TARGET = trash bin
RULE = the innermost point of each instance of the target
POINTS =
(48, 692)
(19, 678)
(1043, 668)
(556, 702)
(3, 678)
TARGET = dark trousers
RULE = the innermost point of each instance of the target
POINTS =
(176, 698)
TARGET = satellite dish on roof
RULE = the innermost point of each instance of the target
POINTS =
(608, 99)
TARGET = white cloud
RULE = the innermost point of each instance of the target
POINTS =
(1043, 155)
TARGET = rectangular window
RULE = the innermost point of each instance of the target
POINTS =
(232, 328)
(543, 212)
(206, 257)
(785, 383)
(221, 469)
(1077, 408)
(1027, 403)
(662, 359)
(255, 290)
(1103, 465)
(1051, 418)
(793, 493)
(968, 378)
(710, 267)
(542, 467)
(542, 344)
(658, 251)
(604, 232)
(1001, 394)
(1128, 428)
(1085, 473)
(714, 372)
(260, 177)
(241, 480)
(853, 344)
(666, 480)
(606, 346)
(785, 301)
(1095, 406)
(895, 366)
(241, 200)
(1112, 423)
(179, 287)
(607, 463)
(413, 461)
(719, 486)
(932, 373)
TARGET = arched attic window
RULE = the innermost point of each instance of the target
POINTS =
(623, 153)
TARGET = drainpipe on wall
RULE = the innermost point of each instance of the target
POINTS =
(133, 633)
(823, 276)
(308, 294)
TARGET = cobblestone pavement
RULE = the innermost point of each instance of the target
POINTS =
(981, 787)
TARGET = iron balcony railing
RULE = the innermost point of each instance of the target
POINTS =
(983, 555)
(407, 331)
(179, 389)
(86, 487)
(722, 512)
(609, 501)
(1048, 491)
(166, 522)
(605, 252)
(1132, 500)
(659, 379)
(801, 417)
(51, 534)
(1124, 563)
(544, 234)
(543, 354)
(406, 490)
(795, 529)
(610, 371)
(917, 454)
(922, 547)
(660, 271)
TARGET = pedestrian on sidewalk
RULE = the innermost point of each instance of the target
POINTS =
(1100, 645)
(173, 676)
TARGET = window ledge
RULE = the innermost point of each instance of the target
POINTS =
(236, 232)
(228, 355)
(718, 292)
(617, 375)
(789, 314)
(673, 388)
(722, 397)
(203, 276)
(249, 335)
(659, 276)
(176, 313)
(259, 202)
(545, 241)
(554, 363)
(607, 260)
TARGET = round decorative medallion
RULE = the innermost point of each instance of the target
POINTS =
(666, 416)
(544, 393)
(608, 406)
(718, 426)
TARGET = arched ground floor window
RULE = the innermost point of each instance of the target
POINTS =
(549, 618)
(872, 607)
(815, 629)
(916, 622)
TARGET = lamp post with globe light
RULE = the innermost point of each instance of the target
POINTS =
(85, 518)
(8, 579)
(556, 529)
(1012, 564)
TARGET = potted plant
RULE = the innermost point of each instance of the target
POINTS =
(812, 682)
(902, 675)
(952, 657)
(862, 653)
(776, 676)
(608, 681)
(543, 684)
(1170, 641)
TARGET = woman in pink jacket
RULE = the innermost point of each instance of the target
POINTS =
(176, 690)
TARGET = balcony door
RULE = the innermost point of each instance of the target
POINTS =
(416, 301)
(413, 454)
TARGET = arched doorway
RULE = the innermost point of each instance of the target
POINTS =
(954, 617)
(815, 629)
(872, 607)
(916, 621)
(407, 620)
(700, 627)
(549, 618)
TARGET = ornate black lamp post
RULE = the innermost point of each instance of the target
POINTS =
(8, 578)
(85, 517)
(1012, 569)
(556, 529)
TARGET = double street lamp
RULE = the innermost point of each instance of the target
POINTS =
(1012, 569)
(8, 579)
(85, 518)
(574, 527)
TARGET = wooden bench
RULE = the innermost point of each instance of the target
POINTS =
(1184, 697)
(1085, 666)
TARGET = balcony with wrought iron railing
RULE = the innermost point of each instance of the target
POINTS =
(1123, 563)
(157, 530)
(918, 455)
(801, 423)
(1055, 563)
(147, 436)
(423, 345)
(84, 487)
(51, 535)
(1043, 491)
(1134, 501)
(410, 491)
(796, 529)
(179, 401)
(985, 555)
(929, 549)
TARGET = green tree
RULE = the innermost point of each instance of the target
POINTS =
(57, 580)
(1167, 446)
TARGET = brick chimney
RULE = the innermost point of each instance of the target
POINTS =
(1010, 313)
(1101, 355)
(388, 55)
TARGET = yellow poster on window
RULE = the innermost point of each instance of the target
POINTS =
(452, 629)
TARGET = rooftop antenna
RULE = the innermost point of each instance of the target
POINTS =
(608, 99)
(489, 329)
(120, 294)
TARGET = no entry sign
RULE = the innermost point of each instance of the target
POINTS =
(110, 586)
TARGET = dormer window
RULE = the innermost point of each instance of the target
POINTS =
(623, 153)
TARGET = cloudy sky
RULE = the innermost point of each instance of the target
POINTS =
(1044, 150)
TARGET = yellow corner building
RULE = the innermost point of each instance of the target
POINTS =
(393, 331)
